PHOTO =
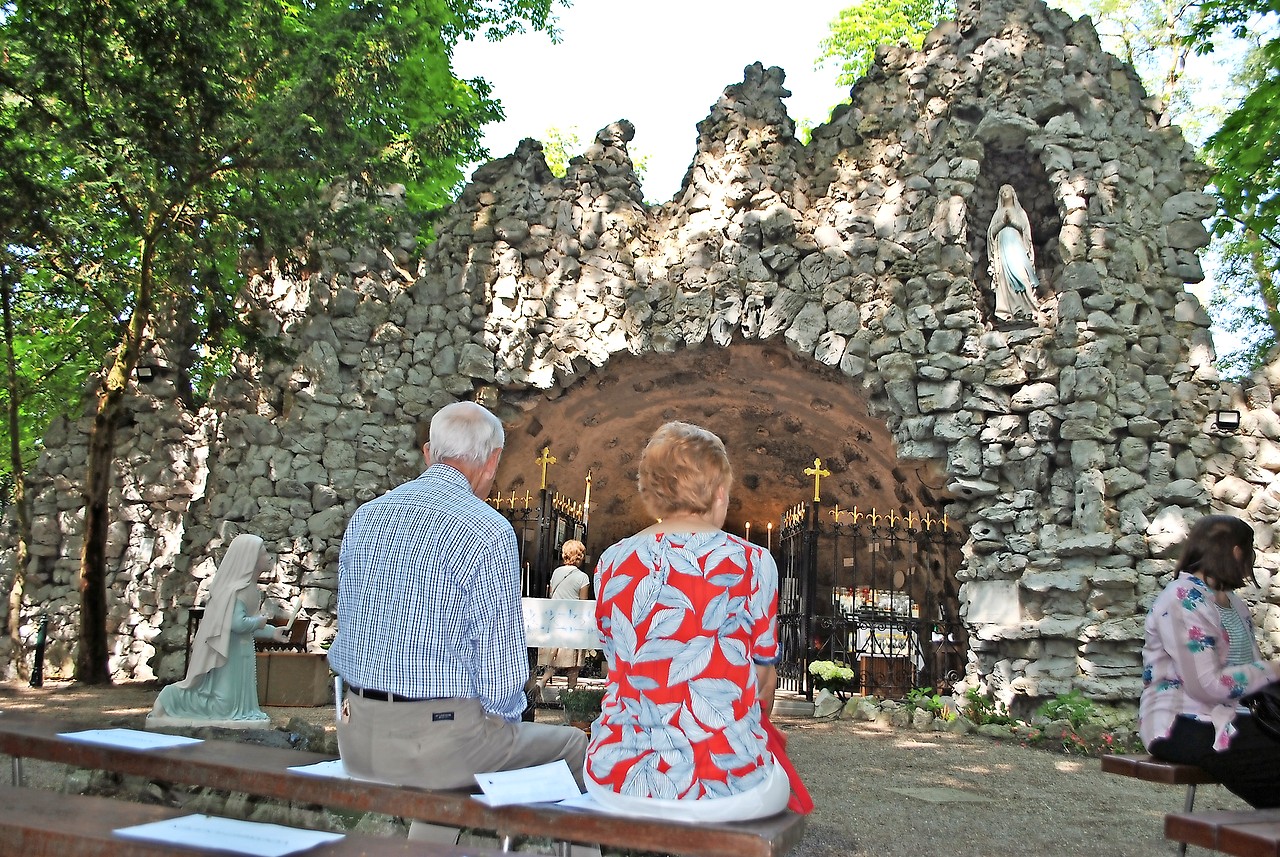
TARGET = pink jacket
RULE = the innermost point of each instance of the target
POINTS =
(1184, 663)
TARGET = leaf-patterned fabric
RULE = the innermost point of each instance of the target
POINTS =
(1186, 667)
(684, 619)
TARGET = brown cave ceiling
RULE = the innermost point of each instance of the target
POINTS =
(775, 411)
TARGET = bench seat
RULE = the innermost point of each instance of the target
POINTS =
(1143, 766)
(37, 823)
(1248, 833)
(1151, 769)
(253, 769)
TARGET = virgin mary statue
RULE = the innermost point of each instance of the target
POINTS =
(1013, 260)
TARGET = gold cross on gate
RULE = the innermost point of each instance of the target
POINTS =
(817, 472)
(544, 459)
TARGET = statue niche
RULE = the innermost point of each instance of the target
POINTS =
(1013, 241)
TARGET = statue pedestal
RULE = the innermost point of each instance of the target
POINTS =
(295, 679)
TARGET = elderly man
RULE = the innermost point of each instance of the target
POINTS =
(430, 641)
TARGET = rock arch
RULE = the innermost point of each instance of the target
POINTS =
(1071, 453)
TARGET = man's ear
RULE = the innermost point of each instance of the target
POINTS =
(426, 453)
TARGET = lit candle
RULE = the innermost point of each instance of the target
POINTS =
(748, 531)
(768, 544)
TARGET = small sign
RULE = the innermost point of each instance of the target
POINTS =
(560, 623)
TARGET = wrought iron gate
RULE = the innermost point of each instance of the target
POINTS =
(875, 593)
(543, 522)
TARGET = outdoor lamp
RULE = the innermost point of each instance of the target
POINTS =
(1227, 420)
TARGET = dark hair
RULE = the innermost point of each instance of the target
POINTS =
(1209, 551)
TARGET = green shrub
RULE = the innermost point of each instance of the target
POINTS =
(581, 704)
(982, 709)
(829, 675)
(924, 697)
(1072, 707)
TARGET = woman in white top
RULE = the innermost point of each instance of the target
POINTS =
(567, 582)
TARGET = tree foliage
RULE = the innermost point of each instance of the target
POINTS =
(155, 144)
(858, 30)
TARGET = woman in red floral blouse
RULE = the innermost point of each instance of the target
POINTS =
(688, 616)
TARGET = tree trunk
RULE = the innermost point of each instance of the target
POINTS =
(92, 657)
(23, 512)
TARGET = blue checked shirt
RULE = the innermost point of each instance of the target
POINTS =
(429, 597)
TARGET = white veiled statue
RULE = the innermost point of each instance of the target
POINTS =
(221, 685)
(1013, 260)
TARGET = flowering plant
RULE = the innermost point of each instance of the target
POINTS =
(829, 675)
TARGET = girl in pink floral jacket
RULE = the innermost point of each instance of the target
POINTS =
(1200, 659)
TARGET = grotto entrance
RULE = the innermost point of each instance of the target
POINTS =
(871, 591)
(776, 412)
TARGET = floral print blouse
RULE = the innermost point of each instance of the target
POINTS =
(684, 618)
(1185, 662)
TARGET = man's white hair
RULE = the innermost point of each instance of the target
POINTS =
(466, 431)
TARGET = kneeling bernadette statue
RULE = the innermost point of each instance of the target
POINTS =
(221, 685)
(1012, 260)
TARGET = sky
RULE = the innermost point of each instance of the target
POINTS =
(661, 64)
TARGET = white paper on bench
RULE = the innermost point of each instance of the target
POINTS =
(331, 768)
(540, 784)
(582, 801)
(133, 739)
(229, 834)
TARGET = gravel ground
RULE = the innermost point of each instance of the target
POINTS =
(879, 791)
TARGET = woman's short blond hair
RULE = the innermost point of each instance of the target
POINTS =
(573, 551)
(681, 469)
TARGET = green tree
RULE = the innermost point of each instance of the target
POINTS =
(559, 145)
(858, 30)
(177, 135)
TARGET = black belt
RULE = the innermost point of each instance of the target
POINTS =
(383, 696)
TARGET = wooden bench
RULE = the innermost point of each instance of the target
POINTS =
(1249, 833)
(253, 769)
(1153, 770)
(38, 823)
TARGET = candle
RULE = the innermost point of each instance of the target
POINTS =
(748, 531)
(768, 544)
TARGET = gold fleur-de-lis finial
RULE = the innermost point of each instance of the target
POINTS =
(546, 458)
(837, 512)
(817, 472)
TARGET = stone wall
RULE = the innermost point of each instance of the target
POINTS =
(1073, 452)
